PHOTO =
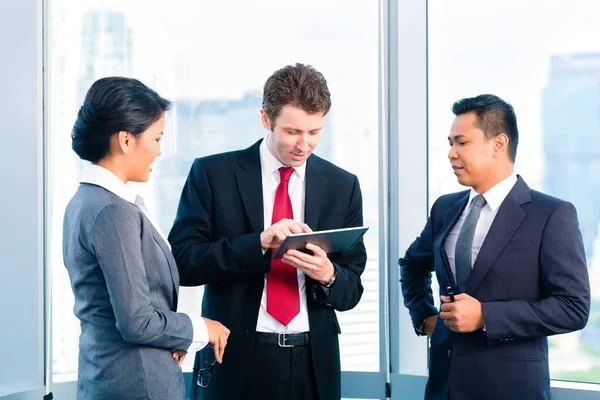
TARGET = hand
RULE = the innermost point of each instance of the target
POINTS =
(430, 325)
(317, 266)
(217, 336)
(272, 237)
(179, 356)
(463, 315)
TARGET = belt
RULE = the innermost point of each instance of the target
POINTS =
(283, 339)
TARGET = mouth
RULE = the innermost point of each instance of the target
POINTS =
(298, 156)
(457, 169)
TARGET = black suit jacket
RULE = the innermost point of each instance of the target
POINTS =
(530, 276)
(216, 243)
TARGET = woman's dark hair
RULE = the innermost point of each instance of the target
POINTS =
(112, 105)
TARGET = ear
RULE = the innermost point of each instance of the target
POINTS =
(500, 145)
(265, 119)
(125, 141)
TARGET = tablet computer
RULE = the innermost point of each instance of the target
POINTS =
(330, 241)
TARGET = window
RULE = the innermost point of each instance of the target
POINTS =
(213, 62)
(551, 75)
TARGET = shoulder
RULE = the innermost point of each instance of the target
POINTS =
(546, 205)
(101, 203)
(94, 209)
(332, 172)
(220, 160)
(449, 200)
(541, 198)
(229, 159)
(92, 199)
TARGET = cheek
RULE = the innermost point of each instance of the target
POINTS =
(478, 159)
(153, 149)
(287, 145)
(148, 153)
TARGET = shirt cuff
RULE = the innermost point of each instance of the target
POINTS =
(200, 336)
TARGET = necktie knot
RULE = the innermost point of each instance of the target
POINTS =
(139, 201)
(285, 173)
(479, 200)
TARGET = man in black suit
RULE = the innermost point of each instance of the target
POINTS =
(235, 209)
(510, 264)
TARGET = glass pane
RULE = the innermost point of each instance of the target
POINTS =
(551, 75)
(213, 62)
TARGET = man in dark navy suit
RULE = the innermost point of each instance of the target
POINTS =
(235, 208)
(510, 264)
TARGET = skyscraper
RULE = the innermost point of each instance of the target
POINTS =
(106, 48)
(571, 137)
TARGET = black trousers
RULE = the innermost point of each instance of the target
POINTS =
(280, 373)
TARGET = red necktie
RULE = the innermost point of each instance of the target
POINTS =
(283, 299)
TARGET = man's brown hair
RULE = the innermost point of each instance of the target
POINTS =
(297, 85)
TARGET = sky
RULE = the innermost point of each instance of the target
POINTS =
(501, 47)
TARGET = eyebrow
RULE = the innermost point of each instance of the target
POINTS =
(300, 130)
(456, 137)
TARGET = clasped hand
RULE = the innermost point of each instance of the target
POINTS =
(463, 315)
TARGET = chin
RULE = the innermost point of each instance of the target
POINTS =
(142, 179)
(296, 163)
(463, 181)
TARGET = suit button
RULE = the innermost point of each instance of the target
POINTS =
(448, 353)
(244, 269)
(249, 329)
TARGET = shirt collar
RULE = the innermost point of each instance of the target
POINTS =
(497, 193)
(100, 176)
(270, 164)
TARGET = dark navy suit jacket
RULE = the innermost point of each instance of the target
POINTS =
(532, 280)
(216, 242)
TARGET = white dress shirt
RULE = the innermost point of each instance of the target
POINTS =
(494, 198)
(100, 176)
(296, 189)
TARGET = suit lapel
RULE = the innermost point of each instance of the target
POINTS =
(170, 261)
(315, 190)
(249, 182)
(509, 217)
(450, 217)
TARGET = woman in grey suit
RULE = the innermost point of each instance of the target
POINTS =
(123, 275)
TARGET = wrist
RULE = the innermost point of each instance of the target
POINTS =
(329, 283)
(420, 329)
(262, 241)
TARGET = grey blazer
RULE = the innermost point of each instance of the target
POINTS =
(126, 285)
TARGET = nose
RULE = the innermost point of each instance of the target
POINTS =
(302, 142)
(452, 153)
